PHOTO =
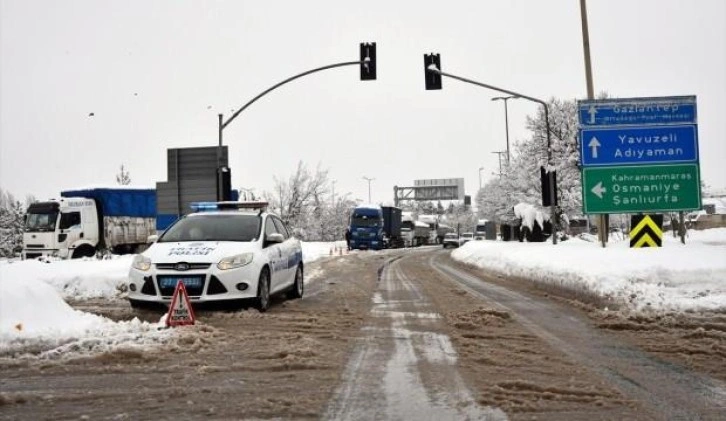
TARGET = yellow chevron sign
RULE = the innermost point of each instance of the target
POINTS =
(646, 231)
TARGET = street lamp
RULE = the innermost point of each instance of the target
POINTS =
(506, 117)
(480, 170)
(369, 187)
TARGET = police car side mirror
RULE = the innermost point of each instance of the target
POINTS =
(275, 238)
(152, 239)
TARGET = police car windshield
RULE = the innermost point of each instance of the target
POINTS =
(214, 227)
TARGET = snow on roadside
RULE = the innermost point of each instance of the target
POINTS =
(78, 279)
(315, 250)
(675, 277)
(34, 318)
(36, 321)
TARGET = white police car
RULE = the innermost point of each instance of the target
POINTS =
(223, 251)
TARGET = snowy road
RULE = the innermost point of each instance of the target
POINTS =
(404, 366)
(399, 334)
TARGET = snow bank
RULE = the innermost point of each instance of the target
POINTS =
(80, 279)
(675, 277)
(33, 316)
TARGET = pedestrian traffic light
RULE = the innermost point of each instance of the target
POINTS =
(432, 62)
(546, 179)
(368, 61)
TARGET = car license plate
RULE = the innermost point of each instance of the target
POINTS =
(171, 281)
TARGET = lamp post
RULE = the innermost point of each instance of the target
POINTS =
(369, 187)
(480, 170)
(333, 182)
(506, 117)
(499, 157)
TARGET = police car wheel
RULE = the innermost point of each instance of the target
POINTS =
(263, 291)
(298, 287)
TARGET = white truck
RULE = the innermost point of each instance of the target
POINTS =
(86, 221)
(414, 232)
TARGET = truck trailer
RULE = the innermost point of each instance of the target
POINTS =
(86, 221)
(375, 227)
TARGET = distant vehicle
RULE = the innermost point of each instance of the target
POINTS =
(437, 230)
(408, 229)
(441, 231)
(225, 251)
(467, 236)
(83, 222)
(451, 240)
(480, 230)
(375, 227)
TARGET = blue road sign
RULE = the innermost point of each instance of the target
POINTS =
(637, 111)
(639, 145)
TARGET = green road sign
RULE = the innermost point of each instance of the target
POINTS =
(643, 188)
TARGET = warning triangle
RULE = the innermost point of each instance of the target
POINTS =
(180, 311)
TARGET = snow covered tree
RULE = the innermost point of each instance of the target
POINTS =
(123, 178)
(521, 181)
(459, 217)
(297, 199)
(12, 225)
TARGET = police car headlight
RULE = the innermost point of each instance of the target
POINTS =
(141, 263)
(234, 262)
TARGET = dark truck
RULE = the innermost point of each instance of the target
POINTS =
(375, 227)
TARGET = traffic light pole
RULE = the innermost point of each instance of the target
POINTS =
(223, 124)
(553, 189)
(368, 71)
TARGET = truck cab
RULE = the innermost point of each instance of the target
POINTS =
(366, 228)
(63, 228)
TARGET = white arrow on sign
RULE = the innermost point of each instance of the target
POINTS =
(594, 144)
(592, 111)
(599, 190)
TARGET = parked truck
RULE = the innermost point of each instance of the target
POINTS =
(86, 221)
(375, 227)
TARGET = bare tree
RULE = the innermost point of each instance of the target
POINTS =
(123, 178)
(296, 198)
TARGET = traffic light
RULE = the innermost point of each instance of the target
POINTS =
(368, 61)
(433, 79)
(545, 178)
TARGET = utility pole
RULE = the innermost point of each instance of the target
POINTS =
(603, 219)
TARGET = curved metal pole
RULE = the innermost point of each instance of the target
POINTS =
(553, 213)
(223, 124)
(272, 88)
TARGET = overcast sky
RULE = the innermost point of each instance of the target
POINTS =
(156, 74)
